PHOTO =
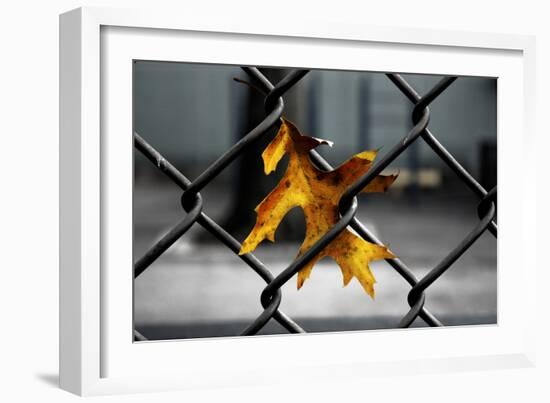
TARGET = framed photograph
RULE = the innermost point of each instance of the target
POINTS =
(244, 203)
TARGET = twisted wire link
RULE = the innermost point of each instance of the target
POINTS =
(271, 295)
(366, 234)
(211, 226)
(348, 201)
(415, 299)
(438, 148)
(486, 208)
(195, 210)
(192, 201)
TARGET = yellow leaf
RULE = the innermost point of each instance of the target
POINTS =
(318, 194)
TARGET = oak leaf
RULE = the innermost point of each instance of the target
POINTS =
(318, 194)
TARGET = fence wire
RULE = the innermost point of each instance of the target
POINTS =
(270, 297)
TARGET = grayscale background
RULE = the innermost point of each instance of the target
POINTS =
(192, 113)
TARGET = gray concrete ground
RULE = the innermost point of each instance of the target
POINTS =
(203, 290)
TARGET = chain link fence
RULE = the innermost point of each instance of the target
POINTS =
(270, 297)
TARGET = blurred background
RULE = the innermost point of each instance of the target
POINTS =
(192, 113)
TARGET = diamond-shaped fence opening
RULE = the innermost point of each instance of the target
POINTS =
(271, 295)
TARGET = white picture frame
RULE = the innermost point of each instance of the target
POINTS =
(96, 354)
